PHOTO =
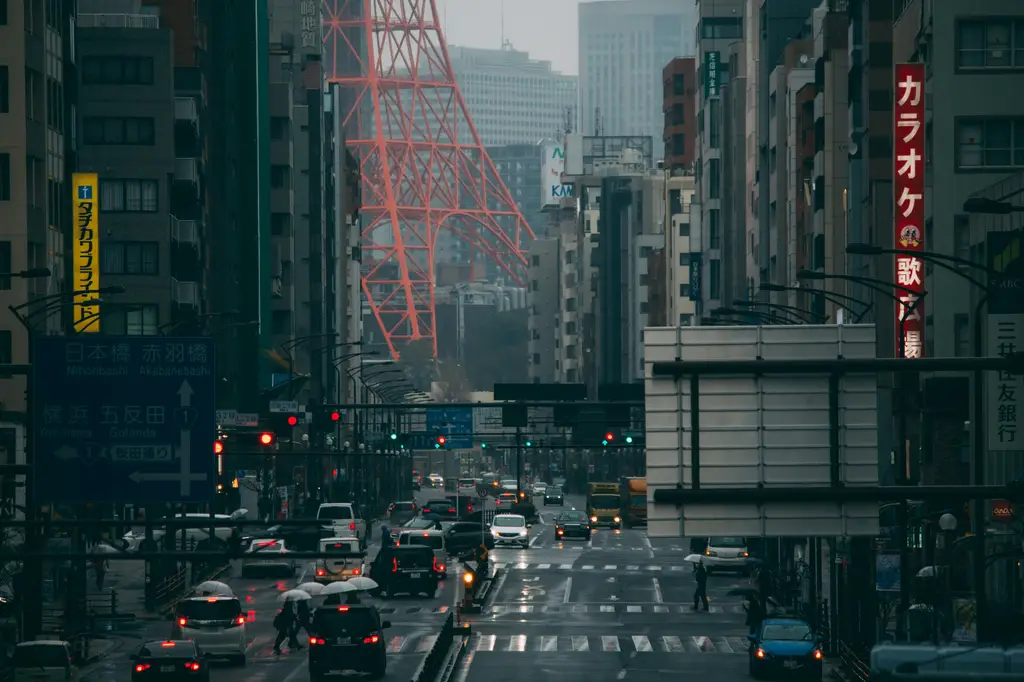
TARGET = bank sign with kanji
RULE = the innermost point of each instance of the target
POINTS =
(908, 196)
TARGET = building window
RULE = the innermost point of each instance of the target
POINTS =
(714, 179)
(996, 143)
(142, 320)
(5, 177)
(130, 258)
(714, 229)
(685, 320)
(279, 177)
(678, 84)
(118, 130)
(129, 196)
(684, 290)
(3, 20)
(961, 239)
(962, 336)
(279, 127)
(996, 43)
(5, 90)
(5, 264)
(714, 280)
(6, 343)
(721, 28)
(279, 223)
(117, 70)
(684, 228)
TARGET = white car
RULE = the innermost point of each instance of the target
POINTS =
(133, 538)
(509, 485)
(215, 624)
(727, 554)
(539, 489)
(510, 529)
(436, 480)
(266, 555)
(467, 486)
(49, 659)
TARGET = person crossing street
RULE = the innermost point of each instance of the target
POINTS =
(700, 594)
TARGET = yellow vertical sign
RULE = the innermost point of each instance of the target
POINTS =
(86, 241)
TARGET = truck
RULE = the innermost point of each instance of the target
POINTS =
(603, 502)
(340, 519)
(634, 501)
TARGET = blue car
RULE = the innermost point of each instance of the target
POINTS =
(786, 648)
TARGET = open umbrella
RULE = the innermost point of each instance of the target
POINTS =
(213, 588)
(363, 583)
(312, 589)
(104, 548)
(693, 558)
(294, 595)
(339, 588)
(742, 592)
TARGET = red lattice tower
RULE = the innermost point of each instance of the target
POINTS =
(404, 116)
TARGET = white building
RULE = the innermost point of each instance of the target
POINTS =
(623, 45)
(511, 98)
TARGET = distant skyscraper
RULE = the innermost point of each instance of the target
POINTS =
(512, 99)
(624, 44)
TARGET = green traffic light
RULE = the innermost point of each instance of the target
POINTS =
(483, 446)
(437, 446)
(528, 443)
(604, 442)
(394, 436)
(629, 439)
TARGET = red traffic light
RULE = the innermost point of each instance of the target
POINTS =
(218, 447)
(266, 438)
(609, 437)
(292, 420)
(442, 440)
(335, 416)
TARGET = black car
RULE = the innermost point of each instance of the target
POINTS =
(444, 509)
(347, 638)
(554, 496)
(404, 569)
(170, 661)
(464, 504)
(464, 538)
(297, 538)
(572, 524)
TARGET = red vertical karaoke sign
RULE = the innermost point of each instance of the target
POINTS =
(908, 196)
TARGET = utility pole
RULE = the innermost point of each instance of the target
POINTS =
(519, 461)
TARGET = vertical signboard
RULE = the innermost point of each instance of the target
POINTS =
(695, 288)
(1005, 336)
(86, 242)
(908, 195)
(551, 188)
(309, 24)
(711, 72)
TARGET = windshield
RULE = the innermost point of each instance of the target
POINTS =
(418, 522)
(215, 609)
(638, 500)
(573, 517)
(403, 507)
(418, 558)
(334, 513)
(553, 490)
(168, 650)
(738, 543)
(509, 521)
(328, 623)
(41, 656)
(467, 482)
(509, 482)
(786, 632)
(431, 541)
(266, 546)
(604, 502)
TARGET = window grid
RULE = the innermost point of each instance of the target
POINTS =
(117, 70)
(993, 43)
(143, 320)
(130, 258)
(996, 143)
(118, 130)
(129, 196)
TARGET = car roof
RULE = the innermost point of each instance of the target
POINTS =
(212, 597)
(786, 621)
(43, 642)
(335, 504)
(512, 516)
(340, 538)
(175, 642)
(422, 532)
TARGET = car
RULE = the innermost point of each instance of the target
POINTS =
(348, 563)
(464, 538)
(340, 518)
(506, 498)
(408, 569)
(727, 554)
(267, 555)
(400, 512)
(50, 657)
(553, 495)
(296, 538)
(572, 524)
(347, 637)
(465, 504)
(786, 646)
(538, 488)
(435, 480)
(434, 539)
(467, 486)
(443, 509)
(133, 539)
(509, 485)
(215, 624)
(170, 660)
(510, 529)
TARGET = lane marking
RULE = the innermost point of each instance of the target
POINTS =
(588, 568)
(607, 608)
(565, 567)
(568, 590)
(300, 669)
(534, 540)
(642, 644)
(522, 567)
(610, 643)
(396, 644)
(580, 643)
(543, 567)
(549, 643)
(657, 590)
(634, 608)
(611, 567)
(703, 643)
(517, 643)
(633, 567)
(647, 545)
(672, 644)
(723, 645)
(486, 642)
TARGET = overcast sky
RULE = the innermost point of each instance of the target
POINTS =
(544, 28)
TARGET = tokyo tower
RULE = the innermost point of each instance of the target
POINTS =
(423, 168)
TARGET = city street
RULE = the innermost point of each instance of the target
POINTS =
(614, 608)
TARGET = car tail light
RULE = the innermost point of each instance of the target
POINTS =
(183, 622)
(351, 526)
(760, 653)
(372, 639)
(192, 665)
(560, 531)
(394, 565)
(451, 510)
(469, 507)
(239, 620)
(436, 567)
(343, 608)
(320, 571)
(142, 667)
(817, 654)
(356, 571)
(315, 640)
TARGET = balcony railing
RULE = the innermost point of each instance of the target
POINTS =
(185, 109)
(118, 21)
(184, 231)
(185, 293)
(186, 170)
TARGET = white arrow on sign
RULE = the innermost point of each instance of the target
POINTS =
(184, 474)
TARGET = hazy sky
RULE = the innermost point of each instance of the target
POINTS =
(544, 28)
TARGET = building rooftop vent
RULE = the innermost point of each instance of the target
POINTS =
(118, 21)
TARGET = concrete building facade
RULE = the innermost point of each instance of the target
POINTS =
(543, 301)
(679, 91)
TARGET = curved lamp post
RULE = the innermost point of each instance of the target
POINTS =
(761, 315)
(805, 316)
(174, 324)
(840, 300)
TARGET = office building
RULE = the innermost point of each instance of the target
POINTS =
(679, 105)
(618, 41)
(681, 295)
(542, 301)
(519, 167)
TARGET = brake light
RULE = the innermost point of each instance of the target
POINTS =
(451, 510)
(469, 507)
(240, 620)
(167, 645)
(212, 600)
(436, 569)
(192, 665)
(817, 654)
(372, 639)
(320, 571)
(343, 608)
(394, 565)
(351, 526)
(356, 571)
(315, 640)
(760, 653)
(142, 667)
(183, 622)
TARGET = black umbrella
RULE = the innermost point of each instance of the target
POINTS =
(742, 592)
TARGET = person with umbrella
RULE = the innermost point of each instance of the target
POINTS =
(284, 623)
(385, 535)
(700, 594)
(303, 619)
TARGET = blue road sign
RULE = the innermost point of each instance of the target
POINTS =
(454, 422)
(124, 419)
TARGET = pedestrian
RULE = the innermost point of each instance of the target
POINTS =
(100, 567)
(385, 535)
(763, 580)
(284, 623)
(755, 614)
(700, 594)
(303, 619)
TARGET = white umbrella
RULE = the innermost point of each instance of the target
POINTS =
(339, 588)
(693, 558)
(362, 583)
(294, 595)
(213, 588)
(312, 589)
(104, 548)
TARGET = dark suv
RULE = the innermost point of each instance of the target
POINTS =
(347, 638)
(404, 568)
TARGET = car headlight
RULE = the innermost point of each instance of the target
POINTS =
(523, 532)
(593, 519)
(494, 533)
(617, 519)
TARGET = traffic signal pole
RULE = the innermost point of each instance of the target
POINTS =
(519, 462)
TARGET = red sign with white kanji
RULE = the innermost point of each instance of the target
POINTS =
(908, 197)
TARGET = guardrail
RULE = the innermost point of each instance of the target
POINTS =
(852, 665)
(435, 658)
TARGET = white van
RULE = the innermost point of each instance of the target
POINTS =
(727, 554)
(216, 624)
(434, 539)
(51, 657)
(342, 568)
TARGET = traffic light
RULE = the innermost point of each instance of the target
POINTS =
(292, 420)
(629, 440)
(325, 420)
(483, 446)
(528, 443)
(218, 447)
(608, 438)
(440, 442)
(267, 438)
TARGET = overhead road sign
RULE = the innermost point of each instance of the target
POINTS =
(236, 418)
(736, 428)
(284, 406)
(124, 419)
(454, 423)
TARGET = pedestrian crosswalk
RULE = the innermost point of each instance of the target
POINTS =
(414, 609)
(595, 566)
(501, 609)
(671, 644)
(581, 546)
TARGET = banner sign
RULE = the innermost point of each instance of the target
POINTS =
(86, 242)
(908, 196)
(1004, 390)
(695, 276)
(1006, 273)
(711, 73)
(551, 188)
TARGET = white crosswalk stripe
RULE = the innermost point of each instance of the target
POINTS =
(580, 644)
(641, 643)
(523, 566)
(609, 643)
(499, 609)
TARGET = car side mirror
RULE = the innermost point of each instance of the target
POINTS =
(752, 638)
(385, 624)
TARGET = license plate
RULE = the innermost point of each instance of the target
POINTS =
(790, 664)
(346, 640)
(167, 668)
(415, 575)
